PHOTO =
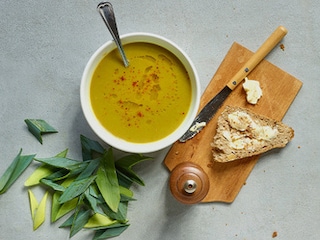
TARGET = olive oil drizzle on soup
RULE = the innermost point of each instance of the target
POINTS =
(145, 101)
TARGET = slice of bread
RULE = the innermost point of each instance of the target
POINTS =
(242, 133)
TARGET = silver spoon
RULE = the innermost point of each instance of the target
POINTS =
(106, 11)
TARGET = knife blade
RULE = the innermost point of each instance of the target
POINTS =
(209, 110)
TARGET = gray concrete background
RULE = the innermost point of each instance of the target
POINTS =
(44, 46)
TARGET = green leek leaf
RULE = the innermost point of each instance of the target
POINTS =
(63, 154)
(90, 169)
(68, 222)
(120, 215)
(53, 185)
(126, 192)
(125, 198)
(109, 232)
(59, 162)
(76, 188)
(114, 225)
(78, 168)
(94, 190)
(126, 163)
(77, 221)
(55, 206)
(89, 147)
(16, 168)
(58, 175)
(107, 180)
(7, 174)
(71, 172)
(38, 127)
(124, 180)
(93, 202)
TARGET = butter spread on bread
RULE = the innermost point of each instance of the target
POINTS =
(242, 133)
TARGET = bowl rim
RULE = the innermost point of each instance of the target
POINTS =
(115, 141)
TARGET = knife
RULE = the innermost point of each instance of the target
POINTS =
(214, 104)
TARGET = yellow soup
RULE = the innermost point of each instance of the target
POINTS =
(144, 102)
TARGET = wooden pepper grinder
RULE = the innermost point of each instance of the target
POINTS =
(189, 184)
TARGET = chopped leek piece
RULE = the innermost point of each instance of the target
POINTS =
(109, 232)
(55, 206)
(89, 147)
(126, 192)
(99, 220)
(33, 203)
(90, 169)
(59, 162)
(40, 214)
(125, 164)
(59, 210)
(77, 221)
(53, 185)
(120, 215)
(38, 127)
(107, 181)
(124, 180)
(63, 154)
(38, 210)
(76, 188)
(41, 172)
(16, 168)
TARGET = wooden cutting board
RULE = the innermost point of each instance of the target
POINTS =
(279, 90)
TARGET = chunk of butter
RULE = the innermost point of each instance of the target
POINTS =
(197, 126)
(253, 90)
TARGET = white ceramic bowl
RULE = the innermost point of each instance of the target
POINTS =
(115, 141)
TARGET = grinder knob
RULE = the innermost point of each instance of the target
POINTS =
(189, 184)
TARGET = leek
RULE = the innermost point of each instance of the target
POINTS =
(38, 127)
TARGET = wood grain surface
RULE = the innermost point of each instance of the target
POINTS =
(279, 90)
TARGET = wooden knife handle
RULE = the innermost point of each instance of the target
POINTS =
(258, 56)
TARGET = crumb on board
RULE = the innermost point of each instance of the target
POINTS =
(282, 46)
(274, 234)
(210, 165)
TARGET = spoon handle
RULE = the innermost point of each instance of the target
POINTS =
(106, 11)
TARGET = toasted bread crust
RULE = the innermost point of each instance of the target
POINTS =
(223, 152)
